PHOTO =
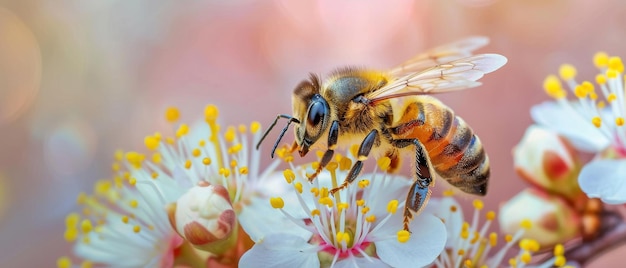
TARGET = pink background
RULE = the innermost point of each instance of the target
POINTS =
(83, 78)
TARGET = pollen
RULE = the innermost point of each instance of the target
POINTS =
(508, 238)
(468, 263)
(478, 204)
(345, 163)
(365, 210)
(172, 114)
(134, 158)
(133, 203)
(289, 175)
(392, 206)
(183, 129)
(580, 92)
(384, 163)
(553, 87)
(601, 59)
(363, 183)
(115, 167)
(136, 228)
(156, 158)
(453, 208)
(86, 264)
(125, 219)
(151, 142)
(72, 219)
(326, 201)
(529, 245)
(567, 71)
(206, 161)
(596, 121)
(600, 79)
(448, 193)
(332, 166)
(315, 212)
(559, 250)
(298, 187)
(154, 175)
(559, 261)
(233, 163)
(211, 113)
(491, 215)
(243, 170)
(85, 226)
(360, 202)
(277, 202)
(324, 192)
(230, 134)
(255, 127)
(64, 262)
(493, 239)
(188, 164)
(354, 149)
(610, 73)
(526, 257)
(370, 218)
(615, 63)
(315, 192)
(619, 121)
(343, 205)
(341, 237)
(403, 236)
(196, 152)
(132, 181)
(70, 235)
(224, 172)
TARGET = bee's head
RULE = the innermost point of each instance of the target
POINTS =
(313, 112)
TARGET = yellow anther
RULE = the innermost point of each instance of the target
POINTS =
(156, 158)
(132, 181)
(224, 172)
(596, 121)
(133, 203)
(230, 134)
(327, 201)
(70, 234)
(363, 183)
(196, 152)
(508, 238)
(119, 183)
(72, 219)
(529, 245)
(315, 212)
(319, 154)
(81, 198)
(345, 163)
(526, 257)
(341, 206)
(468, 263)
(365, 210)
(600, 79)
(188, 164)
(610, 73)
(448, 193)
(315, 192)
(615, 63)
(183, 129)
(593, 96)
(370, 218)
(601, 59)
(392, 206)
(478, 204)
(298, 187)
(567, 71)
(151, 142)
(210, 113)
(86, 264)
(580, 92)
(255, 127)
(154, 175)
(491, 215)
(288, 158)
(85, 226)
(354, 149)
(619, 121)
(242, 128)
(460, 252)
(115, 166)
(513, 262)
(206, 161)
(233, 163)
(172, 114)
(465, 234)
(315, 165)
(201, 143)
(324, 192)
(493, 239)
(611, 97)
(601, 105)
(170, 140)
(453, 208)
(332, 166)
(119, 155)
(475, 237)
(86, 240)
(553, 87)
(64, 262)
(136, 228)
(125, 219)
(588, 86)
(559, 261)
(403, 236)
(384, 163)
(135, 158)
(526, 224)
(559, 250)
(277, 202)
(341, 236)
(360, 202)
(243, 170)
(289, 175)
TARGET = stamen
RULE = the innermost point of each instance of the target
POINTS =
(403, 236)
(183, 129)
(255, 127)
(601, 59)
(64, 262)
(206, 161)
(553, 87)
(596, 121)
(392, 206)
(85, 226)
(172, 114)
(298, 187)
(278, 202)
(290, 176)
(384, 163)
(567, 71)
(151, 142)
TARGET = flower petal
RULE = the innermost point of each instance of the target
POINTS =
(278, 250)
(427, 242)
(449, 210)
(604, 179)
(259, 220)
(568, 123)
(356, 262)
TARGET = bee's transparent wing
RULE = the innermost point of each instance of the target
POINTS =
(455, 75)
(442, 54)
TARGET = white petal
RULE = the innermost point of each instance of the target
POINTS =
(441, 207)
(605, 179)
(427, 241)
(360, 263)
(259, 219)
(583, 135)
(279, 250)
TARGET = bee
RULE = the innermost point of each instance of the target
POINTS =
(393, 113)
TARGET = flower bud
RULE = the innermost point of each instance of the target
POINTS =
(204, 216)
(552, 219)
(548, 161)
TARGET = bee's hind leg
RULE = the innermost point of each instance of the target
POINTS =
(420, 190)
(333, 134)
(364, 151)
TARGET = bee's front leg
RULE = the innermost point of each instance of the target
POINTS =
(364, 151)
(333, 135)
(420, 190)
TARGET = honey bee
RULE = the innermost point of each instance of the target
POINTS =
(392, 113)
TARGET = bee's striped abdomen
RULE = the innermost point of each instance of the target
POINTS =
(455, 152)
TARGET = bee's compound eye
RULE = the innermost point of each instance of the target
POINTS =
(317, 111)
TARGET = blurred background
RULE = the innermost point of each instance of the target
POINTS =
(80, 79)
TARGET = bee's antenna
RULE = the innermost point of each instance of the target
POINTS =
(282, 133)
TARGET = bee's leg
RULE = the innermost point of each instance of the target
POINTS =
(333, 134)
(364, 151)
(420, 192)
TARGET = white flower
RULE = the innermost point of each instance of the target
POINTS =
(357, 227)
(125, 222)
(592, 124)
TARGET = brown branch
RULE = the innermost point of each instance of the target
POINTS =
(612, 235)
